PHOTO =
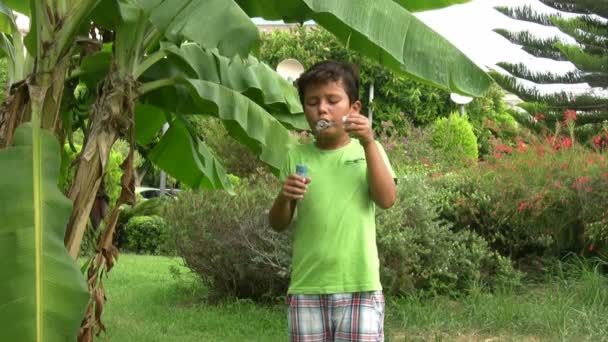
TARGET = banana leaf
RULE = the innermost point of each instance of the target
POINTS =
(43, 295)
(386, 32)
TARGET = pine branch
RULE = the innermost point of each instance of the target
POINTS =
(521, 71)
(597, 79)
(589, 35)
(579, 6)
(584, 61)
(557, 101)
(525, 13)
(535, 46)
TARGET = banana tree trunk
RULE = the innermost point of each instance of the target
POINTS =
(108, 123)
(13, 112)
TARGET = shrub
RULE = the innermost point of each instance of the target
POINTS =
(492, 119)
(454, 136)
(147, 235)
(411, 151)
(419, 251)
(543, 198)
(151, 207)
(228, 241)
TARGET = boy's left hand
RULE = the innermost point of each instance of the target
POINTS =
(359, 127)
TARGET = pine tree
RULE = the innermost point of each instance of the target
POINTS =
(590, 57)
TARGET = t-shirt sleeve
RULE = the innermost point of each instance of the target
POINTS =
(386, 161)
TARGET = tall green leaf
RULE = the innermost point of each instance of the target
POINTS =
(185, 157)
(245, 120)
(21, 6)
(43, 295)
(7, 21)
(217, 24)
(250, 77)
(148, 122)
(426, 5)
(387, 33)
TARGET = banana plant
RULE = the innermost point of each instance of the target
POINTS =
(55, 26)
(42, 293)
(12, 48)
(19, 65)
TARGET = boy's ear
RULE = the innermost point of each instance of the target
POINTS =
(356, 107)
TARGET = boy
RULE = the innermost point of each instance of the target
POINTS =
(335, 292)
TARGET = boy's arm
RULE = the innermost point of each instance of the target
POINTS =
(284, 205)
(381, 183)
(281, 213)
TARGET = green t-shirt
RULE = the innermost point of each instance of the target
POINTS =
(334, 246)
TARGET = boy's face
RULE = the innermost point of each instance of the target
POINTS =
(328, 101)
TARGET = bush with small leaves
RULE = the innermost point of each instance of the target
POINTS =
(148, 235)
(455, 138)
(419, 251)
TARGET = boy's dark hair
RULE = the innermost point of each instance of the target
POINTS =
(331, 71)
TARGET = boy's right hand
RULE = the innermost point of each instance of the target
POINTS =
(294, 187)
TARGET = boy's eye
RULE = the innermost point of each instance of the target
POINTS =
(334, 99)
(312, 102)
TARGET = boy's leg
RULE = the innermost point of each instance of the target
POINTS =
(358, 316)
(308, 318)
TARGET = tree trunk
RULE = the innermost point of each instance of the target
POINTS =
(108, 123)
(12, 113)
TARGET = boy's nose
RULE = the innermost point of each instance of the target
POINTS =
(323, 108)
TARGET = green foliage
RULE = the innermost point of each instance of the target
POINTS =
(151, 301)
(148, 235)
(43, 292)
(396, 98)
(491, 119)
(534, 199)
(111, 178)
(418, 251)
(3, 78)
(454, 136)
(235, 157)
(228, 242)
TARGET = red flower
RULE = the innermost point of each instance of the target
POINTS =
(580, 182)
(522, 207)
(521, 146)
(501, 148)
(566, 142)
(597, 140)
(569, 115)
(591, 247)
(539, 116)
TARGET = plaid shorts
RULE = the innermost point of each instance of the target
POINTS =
(355, 316)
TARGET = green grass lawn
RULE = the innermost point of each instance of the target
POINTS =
(156, 299)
